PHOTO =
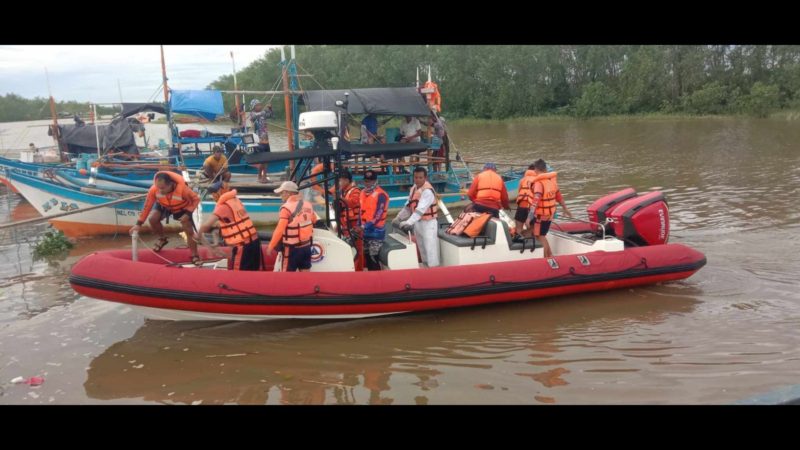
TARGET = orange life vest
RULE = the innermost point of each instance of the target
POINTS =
(525, 193)
(351, 207)
(179, 199)
(301, 222)
(369, 205)
(317, 170)
(434, 98)
(416, 194)
(235, 224)
(490, 186)
(462, 222)
(546, 207)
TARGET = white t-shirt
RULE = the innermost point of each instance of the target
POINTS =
(410, 128)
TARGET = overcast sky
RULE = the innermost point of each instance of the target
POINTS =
(90, 72)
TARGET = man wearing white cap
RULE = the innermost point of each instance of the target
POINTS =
(294, 230)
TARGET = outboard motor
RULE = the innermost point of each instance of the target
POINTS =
(598, 211)
(642, 220)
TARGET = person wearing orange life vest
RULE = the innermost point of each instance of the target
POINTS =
(420, 212)
(488, 192)
(294, 230)
(236, 228)
(374, 205)
(543, 205)
(171, 195)
(316, 194)
(524, 199)
(350, 215)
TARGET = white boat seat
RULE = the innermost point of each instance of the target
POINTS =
(389, 244)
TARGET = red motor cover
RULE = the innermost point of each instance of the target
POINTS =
(642, 220)
(598, 211)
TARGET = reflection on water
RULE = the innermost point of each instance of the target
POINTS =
(727, 333)
(405, 359)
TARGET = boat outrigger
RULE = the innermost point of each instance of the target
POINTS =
(622, 243)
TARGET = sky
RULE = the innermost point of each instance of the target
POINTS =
(89, 73)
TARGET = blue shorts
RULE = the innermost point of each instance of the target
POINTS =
(541, 227)
(165, 213)
(299, 259)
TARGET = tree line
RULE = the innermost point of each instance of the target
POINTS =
(15, 108)
(498, 82)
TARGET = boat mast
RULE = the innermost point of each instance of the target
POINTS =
(294, 86)
(53, 114)
(96, 129)
(236, 97)
(166, 96)
(286, 99)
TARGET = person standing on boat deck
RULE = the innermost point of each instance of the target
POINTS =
(369, 130)
(37, 157)
(171, 195)
(488, 192)
(420, 213)
(236, 228)
(294, 230)
(524, 199)
(216, 166)
(543, 206)
(259, 118)
(350, 215)
(374, 205)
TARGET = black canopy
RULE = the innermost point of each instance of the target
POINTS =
(83, 138)
(129, 109)
(405, 101)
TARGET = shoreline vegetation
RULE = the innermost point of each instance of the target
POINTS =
(532, 82)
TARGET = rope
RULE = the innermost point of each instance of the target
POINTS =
(147, 246)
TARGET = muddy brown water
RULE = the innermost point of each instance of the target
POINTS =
(729, 332)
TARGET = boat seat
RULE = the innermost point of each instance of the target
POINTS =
(487, 238)
(389, 244)
(528, 244)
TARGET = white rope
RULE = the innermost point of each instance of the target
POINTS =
(153, 251)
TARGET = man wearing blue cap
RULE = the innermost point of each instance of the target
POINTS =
(235, 227)
(259, 118)
(488, 192)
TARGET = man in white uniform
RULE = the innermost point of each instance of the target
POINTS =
(420, 214)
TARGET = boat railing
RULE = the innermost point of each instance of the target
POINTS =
(601, 226)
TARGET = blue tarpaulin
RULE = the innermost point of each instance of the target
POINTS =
(206, 104)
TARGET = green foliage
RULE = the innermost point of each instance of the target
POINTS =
(597, 100)
(762, 99)
(713, 98)
(54, 245)
(16, 108)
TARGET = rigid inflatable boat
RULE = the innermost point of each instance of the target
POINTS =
(622, 244)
